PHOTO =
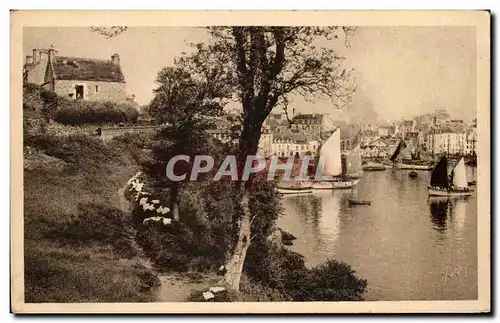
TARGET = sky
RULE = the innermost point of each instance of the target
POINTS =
(401, 72)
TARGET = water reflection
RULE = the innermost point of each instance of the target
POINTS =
(445, 210)
(439, 213)
(403, 243)
(460, 213)
(319, 217)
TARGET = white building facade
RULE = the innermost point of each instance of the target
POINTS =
(447, 142)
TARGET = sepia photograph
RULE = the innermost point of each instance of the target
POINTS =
(250, 162)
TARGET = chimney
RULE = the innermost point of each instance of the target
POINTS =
(51, 53)
(36, 57)
(29, 59)
(115, 59)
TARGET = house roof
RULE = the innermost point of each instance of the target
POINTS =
(372, 143)
(86, 69)
(308, 116)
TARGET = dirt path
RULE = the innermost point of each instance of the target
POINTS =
(174, 287)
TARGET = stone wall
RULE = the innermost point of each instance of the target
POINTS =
(93, 91)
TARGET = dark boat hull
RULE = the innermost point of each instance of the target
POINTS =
(448, 193)
(359, 202)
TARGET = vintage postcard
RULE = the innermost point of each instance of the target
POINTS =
(250, 162)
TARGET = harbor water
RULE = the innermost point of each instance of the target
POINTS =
(408, 246)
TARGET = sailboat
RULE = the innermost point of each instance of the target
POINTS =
(453, 185)
(408, 157)
(330, 156)
(353, 165)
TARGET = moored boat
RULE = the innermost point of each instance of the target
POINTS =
(336, 184)
(332, 166)
(359, 202)
(294, 187)
(370, 167)
(449, 193)
(409, 157)
(451, 185)
(413, 166)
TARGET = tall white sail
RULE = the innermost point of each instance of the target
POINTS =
(330, 155)
(459, 175)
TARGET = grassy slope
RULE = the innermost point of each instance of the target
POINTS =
(77, 240)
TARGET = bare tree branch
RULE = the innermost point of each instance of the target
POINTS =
(109, 32)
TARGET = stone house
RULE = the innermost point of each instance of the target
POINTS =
(76, 78)
(299, 145)
(308, 124)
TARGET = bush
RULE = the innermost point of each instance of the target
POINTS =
(179, 247)
(330, 281)
(251, 291)
(38, 109)
(88, 112)
(276, 269)
(285, 271)
(50, 98)
(198, 242)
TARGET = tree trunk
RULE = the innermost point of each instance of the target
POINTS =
(242, 215)
(236, 259)
(174, 202)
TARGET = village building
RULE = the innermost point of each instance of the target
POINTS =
(367, 136)
(294, 145)
(308, 124)
(265, 147)
(405, 127)
(471, 142)
(76, 78)
(445, 140)
(379, 148)
(385, 130)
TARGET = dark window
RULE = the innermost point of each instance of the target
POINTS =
(96, 88)
(79, 92)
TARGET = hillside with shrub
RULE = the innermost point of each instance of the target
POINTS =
(79, 243)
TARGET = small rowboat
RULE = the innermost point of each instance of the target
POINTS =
(359, 202)
(471, 183)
